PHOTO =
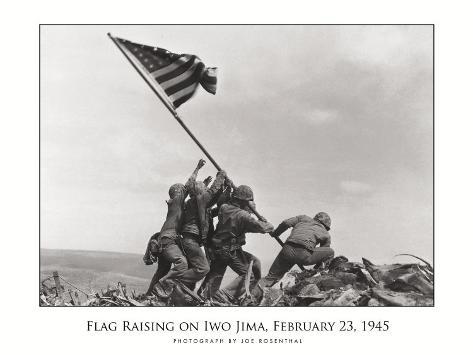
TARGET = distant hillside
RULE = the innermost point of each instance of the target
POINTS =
(94, 270)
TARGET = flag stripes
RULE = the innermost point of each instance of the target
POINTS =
(178, 75)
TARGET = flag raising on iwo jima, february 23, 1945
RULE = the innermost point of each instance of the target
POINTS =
(193, 255)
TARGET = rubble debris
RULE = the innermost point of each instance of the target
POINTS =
(392, 298)
(288, 281)
(339, 282)
(271, 296)
(373, 302)
(329, 282)
(56, 295)
(347, 298)
(345, 283)
(412, 282)
(310, 291)
(425, 262)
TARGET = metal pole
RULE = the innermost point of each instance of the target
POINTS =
(171, 109)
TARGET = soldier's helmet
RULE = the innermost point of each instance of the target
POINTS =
(174, 189)
(324, 218)
(244, 193)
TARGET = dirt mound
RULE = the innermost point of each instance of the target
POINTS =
(339, 282)
(345, 283)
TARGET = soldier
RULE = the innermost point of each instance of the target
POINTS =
(300, 247)
(151, 257)
(168, 242)
(234, 220)
(197, 222)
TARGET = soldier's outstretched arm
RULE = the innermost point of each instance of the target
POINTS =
(279, 230)
(199, 166)
(254, 226)
(192, 179)
(284, 226)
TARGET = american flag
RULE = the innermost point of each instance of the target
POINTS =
(178, 75)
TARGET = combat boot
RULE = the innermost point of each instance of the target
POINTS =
(163, 289)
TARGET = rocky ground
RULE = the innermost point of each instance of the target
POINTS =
(339, 282)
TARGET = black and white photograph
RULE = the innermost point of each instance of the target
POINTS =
(236, 165)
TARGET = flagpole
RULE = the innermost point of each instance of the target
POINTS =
(165, 102)
(171, 109)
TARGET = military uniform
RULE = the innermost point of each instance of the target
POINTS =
(308, 244)
(170, 248)
(197, 211)
(227, 242)
(150, 257)
(163, 268)
(197, 222)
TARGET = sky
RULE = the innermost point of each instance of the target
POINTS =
(314, 118)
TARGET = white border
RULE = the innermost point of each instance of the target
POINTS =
(28, 328)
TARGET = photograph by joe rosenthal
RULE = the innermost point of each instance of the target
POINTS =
(236, 165)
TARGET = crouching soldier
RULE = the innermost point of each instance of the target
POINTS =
(300, 247)
(168, 243)
(234, 220)
(197, 221)
(151, 257)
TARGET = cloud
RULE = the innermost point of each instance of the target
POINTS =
(320, 116)
(355, 187)
(380, 45)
